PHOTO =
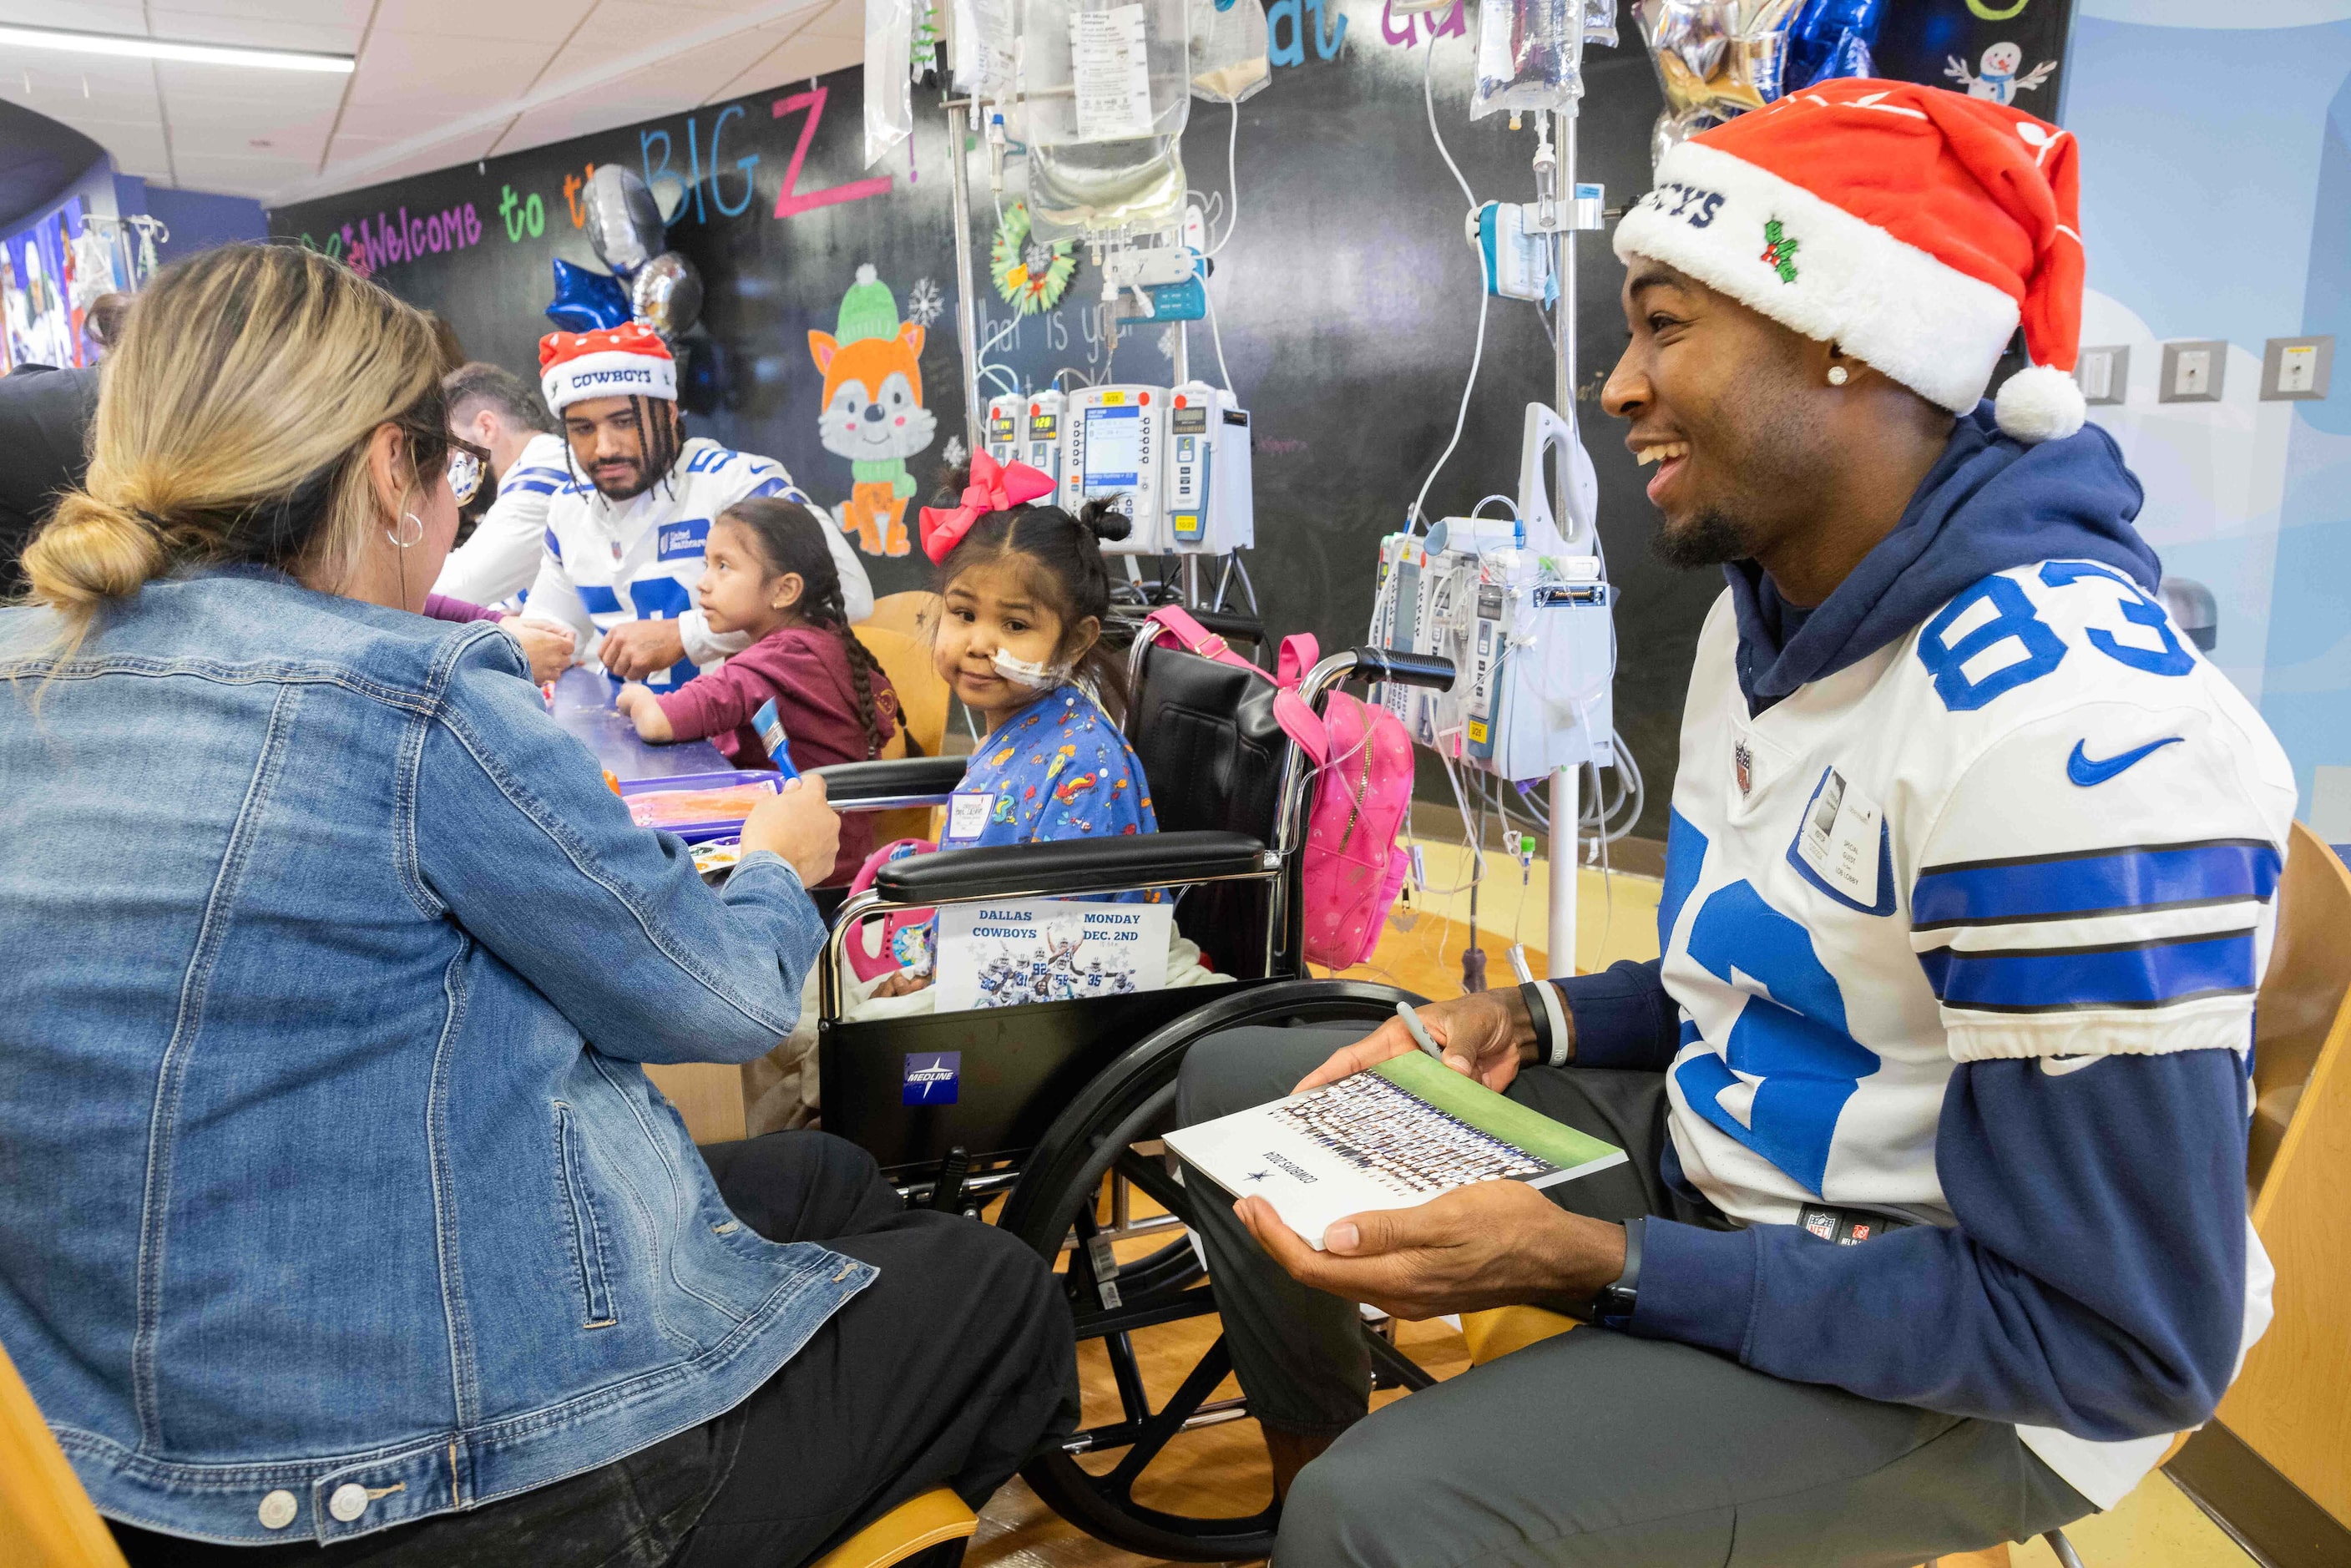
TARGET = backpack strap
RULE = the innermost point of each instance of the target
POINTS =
(1298, 721)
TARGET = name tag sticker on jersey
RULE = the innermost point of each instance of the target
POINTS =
(968, 814)
(1839, 839)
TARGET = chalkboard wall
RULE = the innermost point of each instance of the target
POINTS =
(1347, 299)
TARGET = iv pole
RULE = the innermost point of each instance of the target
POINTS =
(1565, 782)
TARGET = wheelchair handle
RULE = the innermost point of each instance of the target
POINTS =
(1403, 667)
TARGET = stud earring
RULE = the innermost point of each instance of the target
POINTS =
(1837, 375)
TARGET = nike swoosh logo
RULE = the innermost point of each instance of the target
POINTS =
(2085, 773)
(2060, 1066)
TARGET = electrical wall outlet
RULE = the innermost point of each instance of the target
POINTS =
(2192, 370)
(2103, 373)
(2296, 369)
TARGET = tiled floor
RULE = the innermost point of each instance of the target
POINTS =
(1223, 1468)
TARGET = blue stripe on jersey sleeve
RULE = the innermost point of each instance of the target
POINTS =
(515, 486)
(555, 547)
(2096, 881)
(2068, 979)
(600, 599)
(780, 486)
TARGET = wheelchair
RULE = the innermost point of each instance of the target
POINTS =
(1056, 1097)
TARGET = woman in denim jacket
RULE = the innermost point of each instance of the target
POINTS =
(335, 1208)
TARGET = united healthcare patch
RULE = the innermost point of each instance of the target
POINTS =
(931, 1077)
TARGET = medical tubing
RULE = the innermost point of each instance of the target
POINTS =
(1217, 337)
(1417, 518)
(1232, 179)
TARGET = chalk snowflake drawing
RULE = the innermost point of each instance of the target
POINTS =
(1170, 339)
(955, 453)
(924, 303)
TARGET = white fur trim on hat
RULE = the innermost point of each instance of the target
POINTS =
(2040, 402)
(613, 373)
(1846, 281)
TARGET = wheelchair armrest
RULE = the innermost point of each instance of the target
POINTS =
(883, 786)
(1070, 866)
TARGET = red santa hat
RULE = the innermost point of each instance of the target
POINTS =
(618, 361)
(1912, 227)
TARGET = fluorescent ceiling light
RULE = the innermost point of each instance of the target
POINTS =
(164, 49)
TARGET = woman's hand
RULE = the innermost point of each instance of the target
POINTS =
(796, 823)
(1487, 1036)
(638, 705)
(905, 983)
(549, 648)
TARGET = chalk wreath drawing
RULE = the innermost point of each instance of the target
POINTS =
(874, 413)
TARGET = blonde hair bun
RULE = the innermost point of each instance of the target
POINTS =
(90, 552)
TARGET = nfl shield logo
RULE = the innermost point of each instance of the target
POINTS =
(932, 1077)
(1742, 763)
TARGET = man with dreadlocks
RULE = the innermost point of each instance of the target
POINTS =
(625, 532)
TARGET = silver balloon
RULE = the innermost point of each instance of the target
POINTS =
(624, 222)
(1674, 129)
(666, 294)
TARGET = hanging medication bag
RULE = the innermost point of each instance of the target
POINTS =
(1363, 787)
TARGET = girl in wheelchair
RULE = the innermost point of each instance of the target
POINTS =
(1024, 592)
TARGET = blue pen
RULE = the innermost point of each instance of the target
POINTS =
(770, 729)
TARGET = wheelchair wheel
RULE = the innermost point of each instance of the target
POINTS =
(1138, 1501)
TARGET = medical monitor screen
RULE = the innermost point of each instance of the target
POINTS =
(1114, 450)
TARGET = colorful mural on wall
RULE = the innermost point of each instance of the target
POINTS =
(873, 414)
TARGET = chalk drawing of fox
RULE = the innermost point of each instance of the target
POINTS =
(874, 413)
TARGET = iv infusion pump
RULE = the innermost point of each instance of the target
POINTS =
(1113, 448)
(1177, 460)
(1027, 429)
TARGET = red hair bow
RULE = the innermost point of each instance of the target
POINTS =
(992, 489)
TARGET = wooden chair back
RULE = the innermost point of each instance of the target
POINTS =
(2301, 1008)
(909, 614)
(45, 1519)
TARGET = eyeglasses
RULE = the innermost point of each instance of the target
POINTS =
(467, 472)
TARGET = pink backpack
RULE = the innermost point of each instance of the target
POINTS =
(1363, 786)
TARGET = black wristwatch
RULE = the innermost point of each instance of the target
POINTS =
(1612, 1307)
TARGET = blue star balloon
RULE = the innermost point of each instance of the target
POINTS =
(1832, 38)
(586, 302)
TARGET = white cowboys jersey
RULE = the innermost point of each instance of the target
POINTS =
(639, 559)
(2040, 825)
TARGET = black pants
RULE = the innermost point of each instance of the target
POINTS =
(949, 1369)
(1593, 1449)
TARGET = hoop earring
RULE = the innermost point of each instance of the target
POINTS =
(1837, 375)
(409, 543)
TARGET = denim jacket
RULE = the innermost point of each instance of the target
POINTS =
(332, 1194)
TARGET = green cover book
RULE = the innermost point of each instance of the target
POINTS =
(1393, 1137)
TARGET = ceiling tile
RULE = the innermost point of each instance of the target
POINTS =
(352, 13)
(843, 19)
(85, 17)
(403, 67)
(463, 22)
(811, 56)
(323, 35)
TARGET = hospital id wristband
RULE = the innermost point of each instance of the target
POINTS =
(1554, 1039)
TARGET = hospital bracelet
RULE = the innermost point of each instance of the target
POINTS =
(1554, 1040)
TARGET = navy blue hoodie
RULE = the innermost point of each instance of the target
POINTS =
(2095, 1281)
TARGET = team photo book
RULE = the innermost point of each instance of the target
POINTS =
(1392, 1137)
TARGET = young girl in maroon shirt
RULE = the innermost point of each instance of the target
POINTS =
(767, 571)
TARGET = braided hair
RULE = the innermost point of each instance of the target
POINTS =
(1061, 558)
(789, 540)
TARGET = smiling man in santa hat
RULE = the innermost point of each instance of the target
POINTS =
(625, 531)
(1934, 1228)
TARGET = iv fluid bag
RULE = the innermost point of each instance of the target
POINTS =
(888, 78)
(979, 49)
(1229, 56)
(1530, 56)
(1108, 89)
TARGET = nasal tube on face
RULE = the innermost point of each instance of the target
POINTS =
(1023, 672)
